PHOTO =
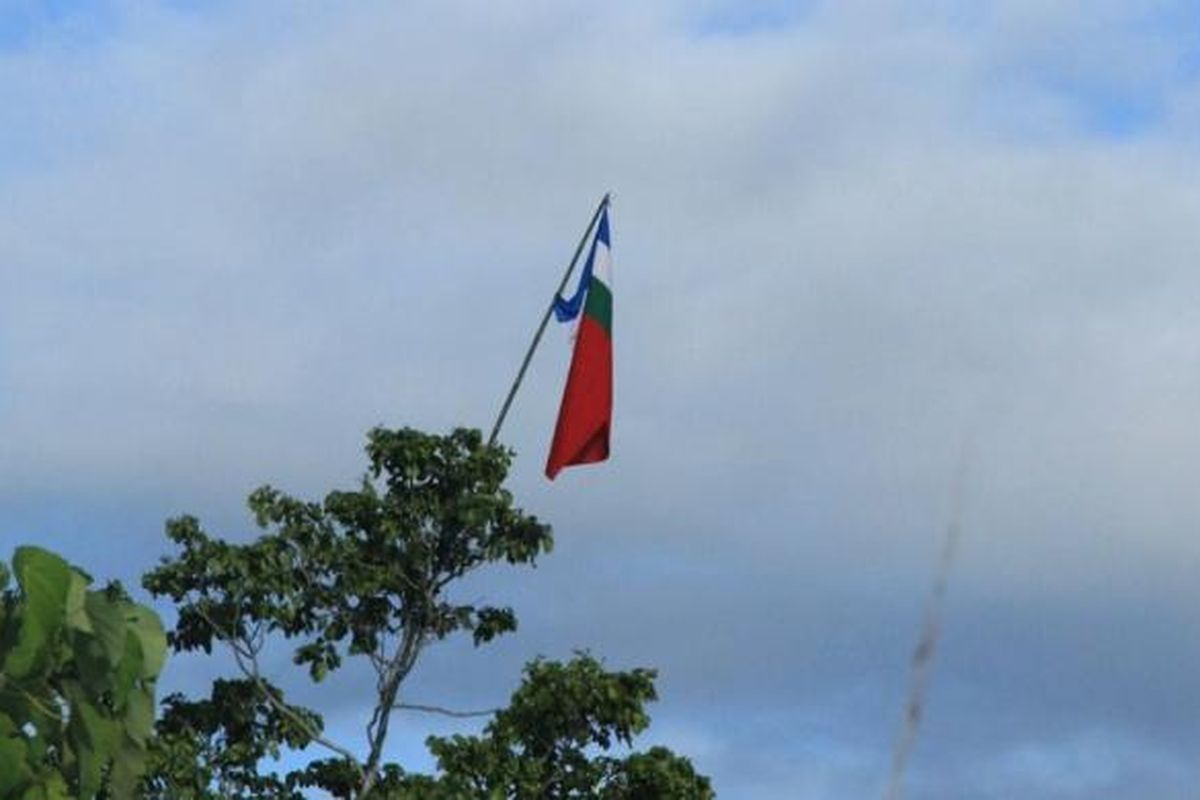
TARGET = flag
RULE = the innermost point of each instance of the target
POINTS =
(585, 416)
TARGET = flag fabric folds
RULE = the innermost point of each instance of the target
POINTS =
(585, 416)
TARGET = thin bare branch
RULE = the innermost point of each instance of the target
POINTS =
(446, 712)
(398, 669)
(246, 658)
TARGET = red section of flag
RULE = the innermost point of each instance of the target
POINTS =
(585, 416)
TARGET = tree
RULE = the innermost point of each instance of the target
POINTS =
(77, 681)
(365, 574)
(362, 574)
(541, 747)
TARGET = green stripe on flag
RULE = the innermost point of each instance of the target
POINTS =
(599, 304)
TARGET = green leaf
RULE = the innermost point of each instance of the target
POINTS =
(45, 580)
(130, 667)
(148, 628)
(93, 739)
(128, 765)
(93, 665)
(14, 766)
(139, 715)
(50, 786)
(108, 624)
(77, 617)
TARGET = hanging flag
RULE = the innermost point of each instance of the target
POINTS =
(585, 416)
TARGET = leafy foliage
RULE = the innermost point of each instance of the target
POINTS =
(362, 574)
(212, 749)
(542, 746)
(77, 680)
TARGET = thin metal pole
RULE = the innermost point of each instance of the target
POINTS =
(537, 337)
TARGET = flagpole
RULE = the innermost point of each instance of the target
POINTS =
(537, 337)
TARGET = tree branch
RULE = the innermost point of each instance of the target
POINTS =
(389, 687)
(246, 658)
(445, 711)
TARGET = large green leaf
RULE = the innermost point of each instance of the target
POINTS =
(92, 663)
(14, 766)
(49, 786)
(139, 715)
(128, 765)
(45, 580)
(77, 617)
(93, 738)
(128, 671)
(108, 625)
(146, 626)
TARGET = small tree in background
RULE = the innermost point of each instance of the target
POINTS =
(364, 574)
(543, 745)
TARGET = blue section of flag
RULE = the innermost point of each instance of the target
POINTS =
(566, 309)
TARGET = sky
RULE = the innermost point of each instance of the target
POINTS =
(850, 239)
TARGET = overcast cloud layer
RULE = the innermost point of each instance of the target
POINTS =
(849, 238)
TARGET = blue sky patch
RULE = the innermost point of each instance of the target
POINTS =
(1118, 115)
(77, 21)
(757, 16)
